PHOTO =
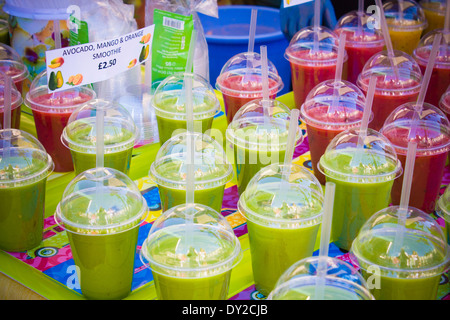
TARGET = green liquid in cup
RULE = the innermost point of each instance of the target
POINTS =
(308, 291)
(168, 127)
(22, 214)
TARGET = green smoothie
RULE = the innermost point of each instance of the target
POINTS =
(443, 210)
(363, 179)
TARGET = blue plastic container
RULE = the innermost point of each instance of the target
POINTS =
(228, 35)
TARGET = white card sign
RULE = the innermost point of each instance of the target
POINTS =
(290, 3)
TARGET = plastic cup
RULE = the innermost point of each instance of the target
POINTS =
(433, 142)
(101, 210)
(390, 91)
(362, 41)
(120, 135)
(443, 210)
(414, 271)
(309, 68)
(322, 125)
(405, 23)
(434, 11)
(258, 140)
(444, 103)
(169, 102)
(191, 250)
(212, 171)
(240, 81)
(51, 112)
(24, 168)
(17, 71)
(280, 232)
(300, 281)
(363, 177)
(440, 76)
(16, 102)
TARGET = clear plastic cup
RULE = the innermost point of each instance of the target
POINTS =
(191, 250)
(390, 91)
(444, 103)
(9, 53)
(51, 112)
(432, 134)
(443, 210)
(16, 102)
(240, 81)
(309, 67)
(406, 23)
(24, 168)
(434, 11)
(283, 220)
(120, 136)
(364, 172)
(300, 282)
(258, 140)
(410, 269)
(327, 114)
(440, 76)
(17, 71)
(212, 171)
(169, 102)
(101, 210)
(362, 41)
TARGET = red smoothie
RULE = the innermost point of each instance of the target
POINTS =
(308, 69)
(17, 71)
(428, 168)
(237, 93)
(51, 113)
(16, 102)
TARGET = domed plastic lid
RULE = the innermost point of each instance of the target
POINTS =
(9, 53)
(39, 98)
(404, 15)
(337, 105)
(15, 69)
(429, 127)
(369, 161)
(120, 131)
(241, 75)
(191, 241)
(301, 47)
(358, 29)
(169, 99)
(16, 97)
(423, 50)
(423, 252)
(443, 205)
(23, 159)
(101, 201)
(210, 163)
(253, 129)
(271, 199)
(407, 81)
(444, 103)
(342, 281)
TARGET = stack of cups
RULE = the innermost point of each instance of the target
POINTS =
(101, 210)
(24, 168)
(430, 128)
(11, 64)
(406, 22)
(51, 112)
(212, 171)
(120, 136)
(301, 281)
(392, 89)
(410, 271)
(240, 81)
(363, 169)
(16, 102)
(169, 102)
(330, 108)
(440, 76)
(191, 250)
(310, 65)
(283, 215)
(258, 137)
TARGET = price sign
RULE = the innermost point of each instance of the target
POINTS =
(290, 3)
(97, 61)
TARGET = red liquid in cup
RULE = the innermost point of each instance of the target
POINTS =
(358, 55)
(388, 97)
(440, 76)
(428, 170)
(311, 71)
(15, 110)
(240, 93)
(320, 136)
(50, 123)
(16, 74)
